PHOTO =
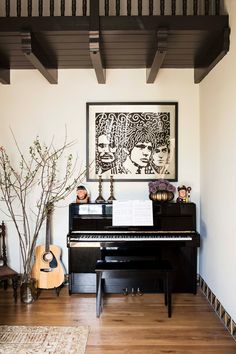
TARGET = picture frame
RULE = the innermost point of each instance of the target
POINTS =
(132, 141)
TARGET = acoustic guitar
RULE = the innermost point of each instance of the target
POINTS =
(47, 269)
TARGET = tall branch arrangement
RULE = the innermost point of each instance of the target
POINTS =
(39, 180)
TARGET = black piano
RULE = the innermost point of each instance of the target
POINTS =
(91, 237)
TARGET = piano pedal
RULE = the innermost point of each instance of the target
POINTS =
(125, 291)
(133, 293)
(139, 292)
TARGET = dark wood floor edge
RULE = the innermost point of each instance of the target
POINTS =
(219, 309)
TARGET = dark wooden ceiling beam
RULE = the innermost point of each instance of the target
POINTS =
(96, 58)
(4, 70)
(34, 53)
(213, 54)
(114, 23)
(112, 42)
(4, 76)
(151, 73)
(151, 23)
(95, 42)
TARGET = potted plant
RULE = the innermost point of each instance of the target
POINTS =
(43, 176)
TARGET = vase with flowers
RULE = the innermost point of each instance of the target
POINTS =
(161, 190)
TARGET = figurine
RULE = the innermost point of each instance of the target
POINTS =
(82, 194)
(184, 194)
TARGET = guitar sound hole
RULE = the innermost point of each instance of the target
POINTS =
(47, 257)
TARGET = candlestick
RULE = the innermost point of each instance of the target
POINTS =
(111, 198)
(100, 198)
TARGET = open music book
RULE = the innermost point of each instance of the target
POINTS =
(132, 213)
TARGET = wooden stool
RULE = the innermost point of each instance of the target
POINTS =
(7, 273)
(161, 269)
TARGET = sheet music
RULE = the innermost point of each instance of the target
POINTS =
(132, 213)
(90, 209)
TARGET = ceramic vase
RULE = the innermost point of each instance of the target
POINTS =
(161, 196)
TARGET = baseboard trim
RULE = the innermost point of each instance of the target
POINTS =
(219, 309)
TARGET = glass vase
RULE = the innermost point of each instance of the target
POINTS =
(28, 291)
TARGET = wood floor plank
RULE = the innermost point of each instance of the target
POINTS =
(128, 325)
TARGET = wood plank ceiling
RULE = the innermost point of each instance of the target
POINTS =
(111, 42)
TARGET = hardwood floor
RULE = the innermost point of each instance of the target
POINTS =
(128, 325)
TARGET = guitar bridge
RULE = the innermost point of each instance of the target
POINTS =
(46, 270)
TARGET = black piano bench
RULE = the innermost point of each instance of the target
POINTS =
(161, 269)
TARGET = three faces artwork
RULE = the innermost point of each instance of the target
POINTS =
(134, 145)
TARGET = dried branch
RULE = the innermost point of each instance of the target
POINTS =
(42, 178)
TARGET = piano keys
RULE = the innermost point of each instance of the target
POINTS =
(130, 236)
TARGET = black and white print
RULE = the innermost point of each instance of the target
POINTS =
(132, 141)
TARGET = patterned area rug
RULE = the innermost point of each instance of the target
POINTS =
(43, 339)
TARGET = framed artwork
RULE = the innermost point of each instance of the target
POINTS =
(132, 141)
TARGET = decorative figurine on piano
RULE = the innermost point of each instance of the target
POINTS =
(184, 194)
(82, 194)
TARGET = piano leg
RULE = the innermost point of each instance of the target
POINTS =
(194, 277)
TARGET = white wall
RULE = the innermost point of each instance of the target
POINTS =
(218, 175)
(31, 106)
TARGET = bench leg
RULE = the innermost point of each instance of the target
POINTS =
(98, 293)
(167, 293)
(165, 290)
(102, 292)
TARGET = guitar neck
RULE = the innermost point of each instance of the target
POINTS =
(48, 231)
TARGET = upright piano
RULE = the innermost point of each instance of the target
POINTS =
(173, 236)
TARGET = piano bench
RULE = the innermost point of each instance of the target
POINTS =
(160, 268)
